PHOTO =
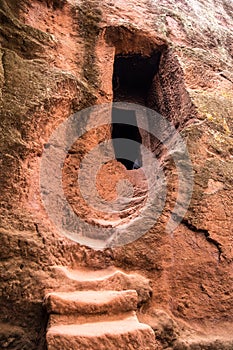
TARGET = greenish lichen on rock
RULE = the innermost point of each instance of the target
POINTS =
(89, 19)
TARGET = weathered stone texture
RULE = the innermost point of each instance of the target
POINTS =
(56, 58)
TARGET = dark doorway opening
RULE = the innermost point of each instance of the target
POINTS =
(133, 76)
(125, 130)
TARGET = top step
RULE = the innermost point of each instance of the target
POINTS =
(85, 275)
(106, 279)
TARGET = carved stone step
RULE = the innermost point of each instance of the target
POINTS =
(123, 333)
(91, 302)
(106, 279)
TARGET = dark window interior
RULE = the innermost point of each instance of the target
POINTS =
(128, 154)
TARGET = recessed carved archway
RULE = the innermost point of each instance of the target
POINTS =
(133, 67)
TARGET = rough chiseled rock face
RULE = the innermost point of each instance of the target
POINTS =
(56, 58)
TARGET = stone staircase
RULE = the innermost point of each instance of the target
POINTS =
(97, 310)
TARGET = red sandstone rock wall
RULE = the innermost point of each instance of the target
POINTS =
(56, 59)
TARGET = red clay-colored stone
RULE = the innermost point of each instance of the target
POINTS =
(57, 58)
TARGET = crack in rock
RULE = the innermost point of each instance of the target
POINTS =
(207, 236)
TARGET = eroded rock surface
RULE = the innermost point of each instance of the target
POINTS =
(56, 58)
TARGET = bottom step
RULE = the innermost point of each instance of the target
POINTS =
(124, 334)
